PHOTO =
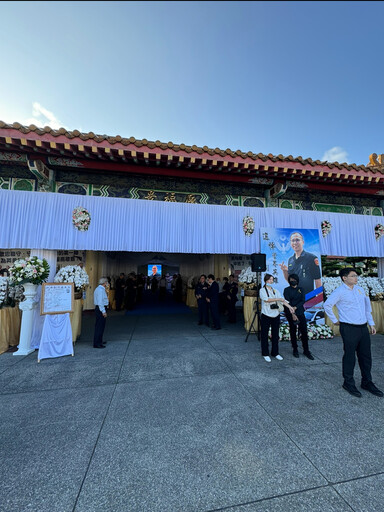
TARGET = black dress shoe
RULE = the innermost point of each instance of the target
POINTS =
(352, 390)
(372, 389)
(296, 353)
(199, 323)
(98, 346)
(309, 355)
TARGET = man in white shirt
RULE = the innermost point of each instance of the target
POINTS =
(100, 298)
(354, 309)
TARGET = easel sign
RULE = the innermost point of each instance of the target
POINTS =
(57, 298)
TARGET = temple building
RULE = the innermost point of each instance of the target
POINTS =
(153, 201)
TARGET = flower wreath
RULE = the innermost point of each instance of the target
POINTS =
(326, 227)
(248, 225)
(379, 231)
(81, 218)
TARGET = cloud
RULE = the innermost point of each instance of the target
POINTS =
(43, 117)
(335, 154)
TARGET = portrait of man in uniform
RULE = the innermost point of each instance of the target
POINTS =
(304, 264)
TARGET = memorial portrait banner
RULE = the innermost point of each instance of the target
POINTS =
(294, 251)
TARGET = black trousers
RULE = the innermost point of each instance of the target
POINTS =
(119, 297)
(356, 340)
(202, 306)
(293, 330)
(99, 328)
(231, 308)
(267, 322)
(214, 308)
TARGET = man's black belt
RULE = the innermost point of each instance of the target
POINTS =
(353, 325)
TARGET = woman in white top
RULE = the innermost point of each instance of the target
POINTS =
(270, 317)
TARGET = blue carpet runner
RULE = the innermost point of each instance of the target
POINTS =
(151, 305)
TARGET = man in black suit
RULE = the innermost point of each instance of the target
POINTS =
(213, 301)
(120, 290)
(232, 299)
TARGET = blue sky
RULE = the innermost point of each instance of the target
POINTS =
(291, 78)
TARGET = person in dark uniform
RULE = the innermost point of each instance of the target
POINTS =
(355, 314)
(140, 287)
(213, 301)
(130, 294)
(119, 291)
(232, 299)
(304, 264)
(179, 289)
(223, 297)
(294, 294)
(201, 294)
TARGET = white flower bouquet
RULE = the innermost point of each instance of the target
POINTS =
(248, 225)
(379, 231)
(326, 227)
(319, 332)
(373, 286)
(81, 218)
(29, 270)
(248, 279)
(3, 291)
(73, 274)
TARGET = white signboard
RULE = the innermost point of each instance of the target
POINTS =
(57, 298)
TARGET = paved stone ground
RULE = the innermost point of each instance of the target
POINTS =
(175, 417)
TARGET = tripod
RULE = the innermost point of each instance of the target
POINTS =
(257, 310)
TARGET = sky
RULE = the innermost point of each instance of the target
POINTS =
(290, 78)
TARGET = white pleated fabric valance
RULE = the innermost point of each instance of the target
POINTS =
(44, 220)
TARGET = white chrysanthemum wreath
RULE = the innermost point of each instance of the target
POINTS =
(81, 218)
(248, 225)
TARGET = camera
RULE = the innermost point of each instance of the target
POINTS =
(274, 306)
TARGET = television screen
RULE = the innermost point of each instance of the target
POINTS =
(154, 269)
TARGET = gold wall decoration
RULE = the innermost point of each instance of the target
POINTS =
(170, 197)
(151, 196)
(191, 199)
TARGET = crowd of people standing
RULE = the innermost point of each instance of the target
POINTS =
(214, 298)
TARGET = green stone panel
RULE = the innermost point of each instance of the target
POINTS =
(18, 184)
(336, 208)
(285, 203)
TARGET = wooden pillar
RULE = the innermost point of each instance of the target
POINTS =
(221, 265)
(93, 267)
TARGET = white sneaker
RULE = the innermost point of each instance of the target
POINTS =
(279, 357)
(267, 359)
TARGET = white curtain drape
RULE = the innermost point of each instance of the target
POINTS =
(38, 320)
(42, 219)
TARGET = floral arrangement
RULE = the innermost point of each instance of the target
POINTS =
(3, 291)
(315, 332)
(29, 270)
(326, 227)
(379, 231)
(81, 218)
(248, 279)
(373, 286)
(10, 295)
(248, 225)
(319, 332)
(73, 274)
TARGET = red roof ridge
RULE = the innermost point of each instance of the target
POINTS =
(175, 147)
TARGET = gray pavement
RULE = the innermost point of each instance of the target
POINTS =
(173, 416)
